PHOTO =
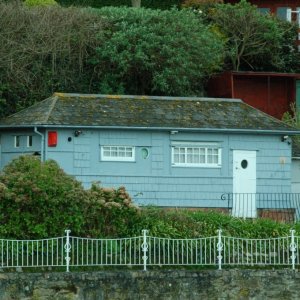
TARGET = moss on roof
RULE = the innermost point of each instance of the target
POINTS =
(142, 111)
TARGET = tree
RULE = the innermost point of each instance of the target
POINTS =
(156, 52)
(292, 118)
(253, 41)
(136, 3)
(32, 3)
(44, 49)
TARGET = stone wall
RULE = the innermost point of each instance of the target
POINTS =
(166, 285)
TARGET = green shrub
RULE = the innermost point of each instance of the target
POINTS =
(154, 4)
(154, 52)
(39, 200)
(110, 212)
(32, 3)
(181, 223)
(46, 50)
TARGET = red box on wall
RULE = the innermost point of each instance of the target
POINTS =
(52, 138)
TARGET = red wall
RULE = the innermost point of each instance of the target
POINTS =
(270, 93)
(271, 4)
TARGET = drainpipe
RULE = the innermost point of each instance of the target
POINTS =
(42, 143)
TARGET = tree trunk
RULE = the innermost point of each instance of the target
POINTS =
(136, 3)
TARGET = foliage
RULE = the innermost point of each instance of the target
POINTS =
(292, 118)
(109, 211)
(112, 50)
(182, 223)
(255, 41)
(200, 4)
(39, 200)
(39, 2)
(156, 52)
(44, 49)
(154, 4)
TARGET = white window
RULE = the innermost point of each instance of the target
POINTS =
(29, 140)
(17, 141)
(118, 153)
(196, 154)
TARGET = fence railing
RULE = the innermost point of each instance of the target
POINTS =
(145, 251)
(277, 206)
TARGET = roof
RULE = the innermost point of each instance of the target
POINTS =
(145, 112)
(268, 74)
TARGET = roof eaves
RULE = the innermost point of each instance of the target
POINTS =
(213, 130)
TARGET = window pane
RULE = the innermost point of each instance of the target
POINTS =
(195, 156)
(176, 158)
(182, 158)
(17, 141)
(29, 141)
(118, 153)
(282, 13)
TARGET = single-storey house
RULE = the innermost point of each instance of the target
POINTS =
(166, 151)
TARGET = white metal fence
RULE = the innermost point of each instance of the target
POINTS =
(145, 250)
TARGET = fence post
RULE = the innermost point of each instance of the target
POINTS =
(220, 248)
(67, 250)
(293, 248)
(145, 248)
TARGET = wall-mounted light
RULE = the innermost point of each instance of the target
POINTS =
(77, 133)
(286, 138)
(173, 131)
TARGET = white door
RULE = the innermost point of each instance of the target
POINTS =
(244, 184)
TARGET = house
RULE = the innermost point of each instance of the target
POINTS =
(287, 10)
(166, 151)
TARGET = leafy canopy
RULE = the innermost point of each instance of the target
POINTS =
(156, 52)
(255, 41)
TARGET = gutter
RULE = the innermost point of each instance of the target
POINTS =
(179, 129)
(42, 143)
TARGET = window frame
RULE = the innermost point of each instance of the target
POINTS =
(117, 158)
(29, 142)
(17, 141)
(198, 146)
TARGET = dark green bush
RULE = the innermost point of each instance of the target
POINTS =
(154, 52)
(181, 223)
(154, 4)
(39, 200)
(46, 50)
(110, 212)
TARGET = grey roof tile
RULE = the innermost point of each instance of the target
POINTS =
(141, 111)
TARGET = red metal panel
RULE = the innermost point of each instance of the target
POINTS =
(271, 93)
(220, 86)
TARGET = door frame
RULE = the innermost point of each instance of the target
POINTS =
(244, 164)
